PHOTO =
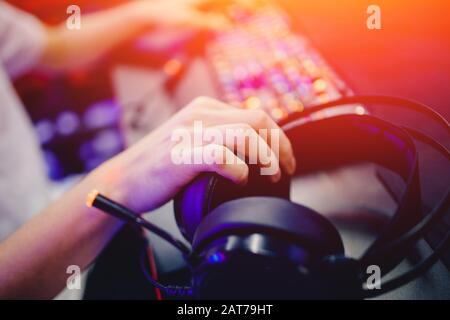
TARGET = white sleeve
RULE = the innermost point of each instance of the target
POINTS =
(22, 39)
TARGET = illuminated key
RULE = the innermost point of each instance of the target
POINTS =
(320, 85)
(278, 113)
(252, 103)
(295, 106)
(360, 110)
(172, 67)
(324, 98)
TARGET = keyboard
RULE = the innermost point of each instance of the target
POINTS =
(261, 63)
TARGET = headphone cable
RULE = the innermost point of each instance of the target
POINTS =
(95, 199)
(169, 290)
(372, 99)
(422, 227)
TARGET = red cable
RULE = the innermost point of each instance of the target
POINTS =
(153, 270)
(152, 264)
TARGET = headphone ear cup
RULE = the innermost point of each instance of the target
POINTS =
(270, 216)
(193, 203)
(208, 191)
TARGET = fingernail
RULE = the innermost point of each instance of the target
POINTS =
(276, 177)
(292, 166)
(243, 182)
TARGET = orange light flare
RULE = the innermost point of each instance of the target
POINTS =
(91, 198)
(320, 85)
(172, 67)
(359, 110)
(278, 113)
(252, 103)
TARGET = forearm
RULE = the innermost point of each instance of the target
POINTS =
(34, 260)
(99, 33)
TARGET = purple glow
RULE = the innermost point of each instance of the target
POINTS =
(395, 140)
(103, 114)
(67, 123)
(45, 131)
(216, 258)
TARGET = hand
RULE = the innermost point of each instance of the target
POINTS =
(179, 13)
(145, 176)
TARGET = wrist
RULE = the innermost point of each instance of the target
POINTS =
(106, 179)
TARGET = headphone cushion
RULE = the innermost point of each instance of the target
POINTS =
(270, 215)
(192, 204)
(208, 191)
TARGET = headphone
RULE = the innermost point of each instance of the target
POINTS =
(253, 241)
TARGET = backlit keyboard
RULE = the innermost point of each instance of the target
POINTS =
(261, 63)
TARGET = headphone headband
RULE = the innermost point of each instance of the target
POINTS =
(348, 139)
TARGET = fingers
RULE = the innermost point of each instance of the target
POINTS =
(269, 130)
(223, 161)
(249, 4)
(239, 139)
(244, 3)
(244, 141)
(259, 119)
(208, 21)
(213, 112)
(195, 2)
